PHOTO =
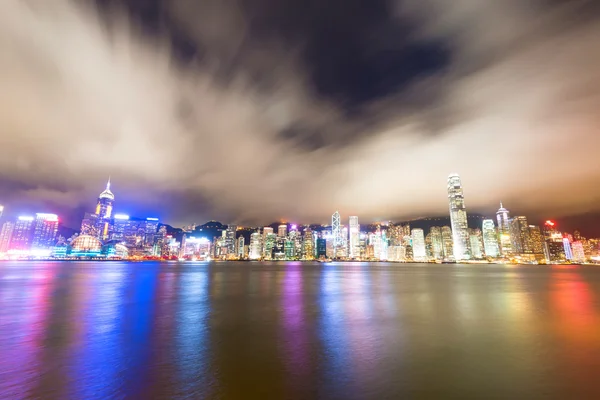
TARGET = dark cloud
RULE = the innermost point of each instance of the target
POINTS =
(250, 111)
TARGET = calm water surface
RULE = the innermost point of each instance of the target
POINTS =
(297, 331)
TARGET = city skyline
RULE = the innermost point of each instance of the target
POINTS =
(238, 119)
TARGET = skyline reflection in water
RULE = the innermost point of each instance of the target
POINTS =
(99, 330)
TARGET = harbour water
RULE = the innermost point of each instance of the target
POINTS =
(104, 330)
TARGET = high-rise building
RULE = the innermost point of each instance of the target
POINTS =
(269, 240)
(255, 246)
(536, 239)
(476, 242)
(567, 247)
(418, 244)
(240, 247)
(502, 216)
(490, 238)
(519, 235)
(458, 218)
(308, 252)
(447, 242)
(282, 230)
(6, 235)
(578, 252)
(44, 231)
(354, 241)
(336, 231)
(230, 239)
(437, 243)
(104, 209)
(321, 247)
(22, 234)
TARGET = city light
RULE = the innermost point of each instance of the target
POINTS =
(122, 216)
(26, 218)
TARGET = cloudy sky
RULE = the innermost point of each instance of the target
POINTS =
(251, 111)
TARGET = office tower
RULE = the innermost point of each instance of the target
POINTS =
(336, 231)
(447, 242)
(437, 243)
(321, 247)
(458, 218)
(267, 230)
(6, 235)
(567, 248)
(418, 245)
(536, 239)
(502, 216)
(240, 247)
(255, 246)
(308, 251)
(230, 239)
(476, 243)
(104, 209)
(354, 240)
(44, 231)
(519, 235)
(282, 230)
(490, 238)
(578, 252)
(269, 240)
(22, 234)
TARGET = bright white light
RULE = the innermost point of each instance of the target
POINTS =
(47, 217)
(121, 216)
(25, 218)
(151, 219)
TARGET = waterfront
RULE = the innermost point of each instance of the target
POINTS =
(298, 330)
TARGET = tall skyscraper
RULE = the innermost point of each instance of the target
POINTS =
(45, 230)
(354, 241)
(458, 218)
(502, 216)
(255, 246)
(336, 231)
(536, 239)
(308, 249)
(282, 230)
(490, 238)
(6, 235)
(519, 235)
(418, 244)
(22, 234)
(476, 243)
(437, 243)
(447, 242)
(240, 247)
(230, 239)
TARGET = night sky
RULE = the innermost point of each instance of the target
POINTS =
(252, 111)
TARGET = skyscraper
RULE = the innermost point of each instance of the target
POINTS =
(437, 243)
(490, 238)
(22, 234)
(282, 230)
(336, 231)
(447, 242)
(308, 252)
(418, 244)
(519, 235)
(536, 239)
(354, 242)
(240, 247)
(458, 218)
(6, 235)
(502, 216)
(476, 243)
(45, 230)
(255, 246)
(230, 239)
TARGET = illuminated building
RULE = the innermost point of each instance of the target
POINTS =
(22, 234)
(137, 233)
(375, 241)
(282, 230)
(230, 239)
(418, 245)
(6, 235)
(578, 252)
(447, 242)
(86, 246)
(536, 239)
(289, 249)
(104, 209)
(458, 218)
(437, 243)
(336, 231)
(519, 236)
(269, 243)
(308, 248)
(490, 238)
(504, 231)
(567, 248)
(240, 247)
(354, 240)
(44, 231)
(476, 242)
(255, 246)
(321, 247)
(555, 251)
(1, 210)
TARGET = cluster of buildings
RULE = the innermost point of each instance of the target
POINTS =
(105, 234)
